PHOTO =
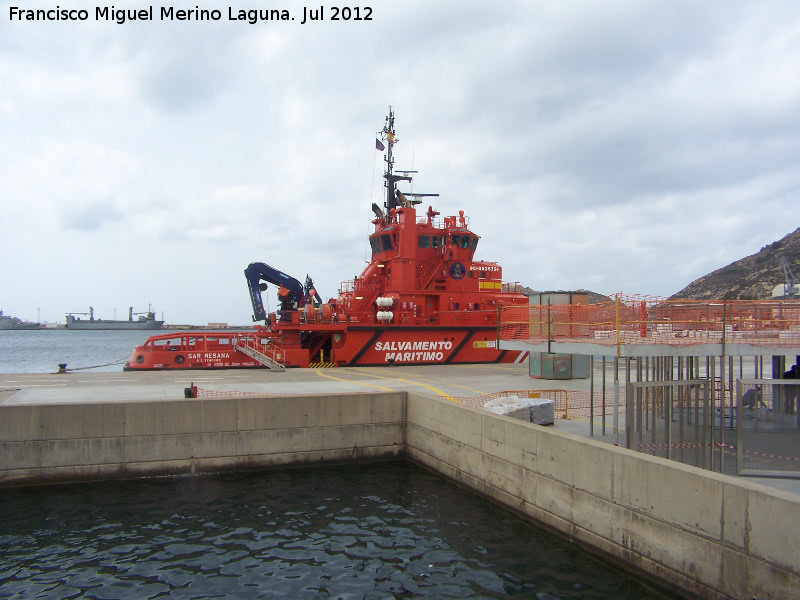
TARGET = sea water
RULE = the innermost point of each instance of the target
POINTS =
(41, 350)
(379, 531)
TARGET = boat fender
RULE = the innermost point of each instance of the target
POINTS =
(179, 359)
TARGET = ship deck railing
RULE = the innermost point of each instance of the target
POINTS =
(462, 317)
(268, 354)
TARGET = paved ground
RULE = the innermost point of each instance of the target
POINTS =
(455, 381)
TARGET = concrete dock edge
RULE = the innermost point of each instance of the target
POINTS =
(708, 534)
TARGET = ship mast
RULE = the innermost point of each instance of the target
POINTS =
(391, 178)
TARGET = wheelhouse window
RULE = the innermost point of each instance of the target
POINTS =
(386, 241)
(375, 243)
(465, 241)
(170, 344)
(474, 244)
(425, 241)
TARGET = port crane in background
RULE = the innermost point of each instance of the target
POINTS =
(792, 289)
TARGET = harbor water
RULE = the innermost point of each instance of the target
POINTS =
(378, 531)
(41, 350)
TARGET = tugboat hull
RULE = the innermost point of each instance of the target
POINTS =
(441, 345)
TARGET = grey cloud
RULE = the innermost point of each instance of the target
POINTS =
(90, 218)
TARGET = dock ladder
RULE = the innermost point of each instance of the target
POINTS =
(269, 355)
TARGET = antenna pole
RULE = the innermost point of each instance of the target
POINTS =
(391, 178)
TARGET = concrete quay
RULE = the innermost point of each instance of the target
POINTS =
(460, 382)
(709, 534)
(451, 380)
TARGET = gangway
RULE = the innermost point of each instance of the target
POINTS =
(269, 355)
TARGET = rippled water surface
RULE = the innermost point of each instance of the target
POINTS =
(40, 351)
(381, 531)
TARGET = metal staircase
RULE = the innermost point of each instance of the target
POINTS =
(370, 294)
(269, 355)
(431, 270)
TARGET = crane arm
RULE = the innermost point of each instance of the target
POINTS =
(258, 271)
(787, 272)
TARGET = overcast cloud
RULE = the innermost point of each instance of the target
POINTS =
(618, 146)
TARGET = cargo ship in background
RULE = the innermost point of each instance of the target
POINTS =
(144, 321)
(422, 299)
(16, 324)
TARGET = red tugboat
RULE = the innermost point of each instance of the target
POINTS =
(422, 299)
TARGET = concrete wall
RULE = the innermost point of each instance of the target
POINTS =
(40, 443)
(710, 534)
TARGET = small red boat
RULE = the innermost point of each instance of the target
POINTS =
(207, 350)
(422, 299)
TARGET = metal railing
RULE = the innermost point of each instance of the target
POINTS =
(767, 424)
(672, 419)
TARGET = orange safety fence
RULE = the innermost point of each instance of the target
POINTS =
(563, 401)
(628, 319)
(572, 404)
(581, 407)
(204, 393)
(560, 399)
(566, 404)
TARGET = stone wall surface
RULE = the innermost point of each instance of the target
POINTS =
(59, 442)
(709, 534)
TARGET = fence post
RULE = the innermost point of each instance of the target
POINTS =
(643, 322)
(629, 414)
(616, 321)
(604, 395)
(616, 397)
(591, 395)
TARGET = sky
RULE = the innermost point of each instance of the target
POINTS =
(609, 145)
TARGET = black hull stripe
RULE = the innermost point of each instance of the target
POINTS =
(455, 352)
(369, 344)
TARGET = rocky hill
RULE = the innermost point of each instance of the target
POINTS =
(749, 278)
